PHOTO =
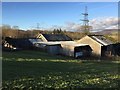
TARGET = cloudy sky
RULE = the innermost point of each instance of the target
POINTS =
(65, 15)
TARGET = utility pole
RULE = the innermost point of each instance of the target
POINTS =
(85, 21)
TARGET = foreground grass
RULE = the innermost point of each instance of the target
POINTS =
(33, 70)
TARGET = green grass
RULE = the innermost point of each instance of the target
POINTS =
(34, 70)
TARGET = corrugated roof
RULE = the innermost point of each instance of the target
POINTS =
(57, 37)
(101, 39)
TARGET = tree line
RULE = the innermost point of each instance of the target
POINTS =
(15, 32)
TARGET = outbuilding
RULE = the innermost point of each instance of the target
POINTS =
(49, 47)
(75, 50)
(98, 43)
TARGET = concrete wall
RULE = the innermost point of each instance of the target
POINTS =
(96, 47)
(67, 50)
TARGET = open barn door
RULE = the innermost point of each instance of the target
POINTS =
(78, 52)
(82, 51)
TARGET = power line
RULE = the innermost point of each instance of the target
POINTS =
(85, 20)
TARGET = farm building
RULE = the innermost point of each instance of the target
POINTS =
(53, 37)
(62, 44)
(75, 50)
(98, 43)
(67, 48)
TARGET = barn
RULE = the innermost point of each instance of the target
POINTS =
(98, 43)
(75, 50)
(62, 44)
(66, 48)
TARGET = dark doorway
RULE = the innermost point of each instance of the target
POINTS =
(82, 51)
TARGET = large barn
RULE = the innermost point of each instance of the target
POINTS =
(67, 48)
(62, 44)
(98, 43)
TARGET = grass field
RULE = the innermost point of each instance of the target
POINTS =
(34, 70)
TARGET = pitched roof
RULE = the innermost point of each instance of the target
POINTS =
(57, 37)
(101, 39)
